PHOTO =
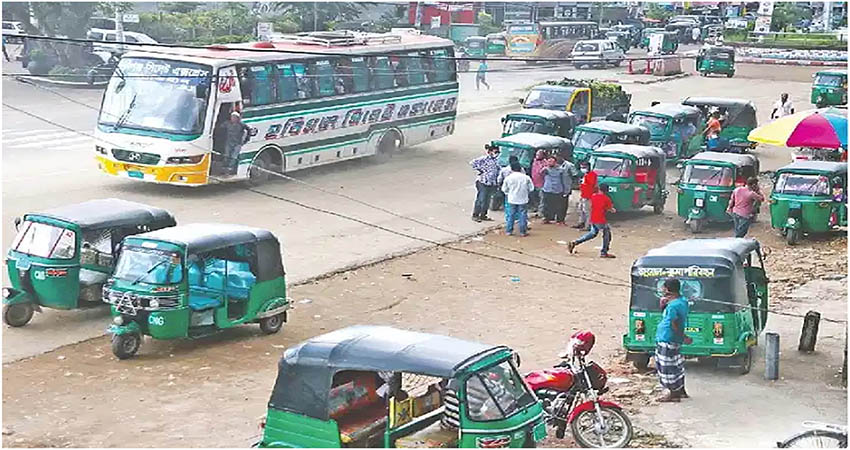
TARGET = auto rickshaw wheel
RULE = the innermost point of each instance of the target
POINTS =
(271, 325)
(746, 362)
(641, 362)
(730, 75)
(125, 346)
(658, 209)
(792, 236)
(695, 225)
(18, 314)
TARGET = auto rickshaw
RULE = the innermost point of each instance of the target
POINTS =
(476, 46)
(61, 258)
(634, 174)
(524, 146)
(622, 38)
(809, 197)
(375, 386)
(634, 33)
(676, 129)
(496, 44)
(194, 280)
(541, 121)
(707, 183)
(829, 88)
(725, 283)
(737, 116)
(590, 136)
(683, 31)
(669, 42)
(644, 39)
(716, 59)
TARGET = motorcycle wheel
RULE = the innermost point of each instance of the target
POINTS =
(585, 428)
(815, 439)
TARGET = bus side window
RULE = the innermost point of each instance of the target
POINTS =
(323, 74)
(261, 94)
(381, 73)
(359, 74)
(415, 69)
(246, 85)
(303, 83)
(400, 70)
(287, 88)
(343, 77)
(441, 66)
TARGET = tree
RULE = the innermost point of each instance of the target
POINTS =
(658, 12)
(322, 13)
(179, 7)
(108, 9)
(63, 18)
(486, 24)
(786, 14)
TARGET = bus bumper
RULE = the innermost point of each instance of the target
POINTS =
(180, 174)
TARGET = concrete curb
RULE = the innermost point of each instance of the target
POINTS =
(653, 81)
(501, 107)
(62, 84)
(790, 62)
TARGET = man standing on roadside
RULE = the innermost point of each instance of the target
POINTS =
(486, 184)
(517, 188)
(554, 206)
(600, 205)
(782, 108)
(669, 337)
(570, 173)
(537, 167)
(743, 206)
(712, 131)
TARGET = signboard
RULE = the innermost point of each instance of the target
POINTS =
(765, 17)
(130, 18)
(435, 22)
(656, 40)
(264, 30)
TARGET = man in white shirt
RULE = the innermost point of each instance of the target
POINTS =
(696, 33)
(517, 187)
(782, 108)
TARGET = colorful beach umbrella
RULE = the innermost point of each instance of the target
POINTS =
(817, 128)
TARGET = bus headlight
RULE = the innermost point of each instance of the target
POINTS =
(185, 159)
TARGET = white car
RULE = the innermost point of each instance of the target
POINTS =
(13, 29)
(103, 35)
(597, 53)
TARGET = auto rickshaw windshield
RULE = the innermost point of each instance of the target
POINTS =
(542, 98)
(830, 80)
(606, 166)
(45, 241)
(523, 125)
(708, 175)
(496, 393)
(148, 265)
(802, 184)
(656, 125)
(474, 43)
(588, 139)
(702, 293)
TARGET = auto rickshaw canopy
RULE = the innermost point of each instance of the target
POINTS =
(108, 213)
(563, 119)
(739, 112)
(674, 110)
(719, 52)
(831, 168)
(534, 141)
(306, 371)
(736, 159)
(617, 128)
(653, 155)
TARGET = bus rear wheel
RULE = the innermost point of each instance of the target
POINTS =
(390, 143)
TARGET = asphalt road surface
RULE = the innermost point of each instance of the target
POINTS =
(46, 165)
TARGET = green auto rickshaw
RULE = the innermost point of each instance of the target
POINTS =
(592, 135)
(476, 46)
(496, 44)
(669, 42)
(623, 39)
(716, 59)
(634, 174)
(737, 116)
(524, 146)
(809, 197)
(61, 258)
(644, 39)
(634, 33)
(542, 121)
(829, 88)
(707, 183)
(676, 129)
(195, 280)
(725, 283)
(381, 387)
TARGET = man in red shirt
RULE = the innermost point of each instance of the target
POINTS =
(600, 205)
(588, 187)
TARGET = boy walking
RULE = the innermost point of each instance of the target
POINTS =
(588, 187)
(600, 205)
(517, 188)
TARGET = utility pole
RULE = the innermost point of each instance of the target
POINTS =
(315, 17)
(119, 26)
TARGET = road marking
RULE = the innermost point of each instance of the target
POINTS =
(19, 132)
(43, 137)
(54, 143)
(38, 176)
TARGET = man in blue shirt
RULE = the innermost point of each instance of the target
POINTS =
(669, 337)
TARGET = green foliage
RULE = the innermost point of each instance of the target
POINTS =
(326, 13)
(602, 92)
(657, 12)
(486, 24)
(200, 27)
(108, 9)
(786, 14)
(179, 7)
(63, 18)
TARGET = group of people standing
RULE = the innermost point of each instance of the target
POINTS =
(546, 191)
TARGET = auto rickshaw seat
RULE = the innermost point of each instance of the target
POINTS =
(361, 412)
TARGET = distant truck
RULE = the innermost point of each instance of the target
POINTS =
(588, 100)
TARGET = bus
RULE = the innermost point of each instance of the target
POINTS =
(547, 39)
(308, 100)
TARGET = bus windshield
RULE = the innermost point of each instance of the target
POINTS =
(708, 175)
(156, 95)
(539, 98)
(147, 265)
(800, 184)
(45, 241)
(656, 125)
(612, 167)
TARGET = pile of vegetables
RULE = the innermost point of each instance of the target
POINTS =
(603, 93)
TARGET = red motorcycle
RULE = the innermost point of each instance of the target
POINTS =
(570, 393)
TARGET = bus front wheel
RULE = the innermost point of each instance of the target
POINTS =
(260, 170)
(390, 143)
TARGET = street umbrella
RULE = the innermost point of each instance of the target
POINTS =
(816, 128)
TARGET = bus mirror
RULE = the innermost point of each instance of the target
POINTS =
(200, 91)
(520, 101)
(17, 223)
(504, 119)
(517, 359)
(120, 86)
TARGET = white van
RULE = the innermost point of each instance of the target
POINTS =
(597, 53)
(110, 36)
(11, 30)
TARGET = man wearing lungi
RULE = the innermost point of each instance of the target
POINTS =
(669, 337)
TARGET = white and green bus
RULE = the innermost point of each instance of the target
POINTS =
(308, 100)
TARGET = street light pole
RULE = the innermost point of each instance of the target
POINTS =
(315, 17)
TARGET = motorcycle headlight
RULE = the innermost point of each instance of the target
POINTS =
(154, 303)
(118, 320)
(700, 202)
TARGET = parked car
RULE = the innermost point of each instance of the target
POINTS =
(597, 53)
(13, 30)
(103, 35)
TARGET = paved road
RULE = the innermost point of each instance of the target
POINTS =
(45, 166)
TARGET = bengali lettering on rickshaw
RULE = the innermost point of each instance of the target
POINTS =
(692, 272)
